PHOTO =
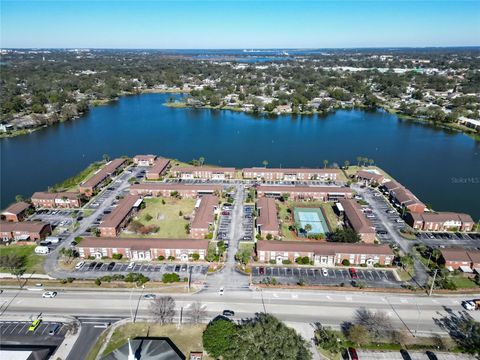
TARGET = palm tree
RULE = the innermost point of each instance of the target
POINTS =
(265, 163)
(325, 162)
(308, 227)
(359, 160)
(346, 163)
(201, 160)
(106, 157)
(371, 162)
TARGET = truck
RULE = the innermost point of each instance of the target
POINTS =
(53, 239)
(471, 305)
(42, 250)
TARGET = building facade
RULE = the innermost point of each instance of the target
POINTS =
(144, 160)
(25, 230)
(159, 168)
(290, 174)
(102, 176)
(440, 221)
(16, 212)
(119, 217)
(355, 218)
(143, 248)
(166, 190)
(320, 193)
(57, 200)
(203, 172)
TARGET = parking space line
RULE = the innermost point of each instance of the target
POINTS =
(14, 327)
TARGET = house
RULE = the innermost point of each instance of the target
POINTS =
(16, 212)
(25, 230)
(267, 219)
(321, 193)
(144, 160)
(290, 174)
(440, 221)
(203, 172)
(119, 217)
(324, 254)
(64, 199)
(204, 220)
(159, 167)
(355, 218)
(402, 197)
(98, 179)
(165, 190)
(455, 258)
(142, 248)
(369, 177)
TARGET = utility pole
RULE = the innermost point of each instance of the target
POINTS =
(433, 282)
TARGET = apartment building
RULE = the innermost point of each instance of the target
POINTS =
(89, 186)
(454, 258)
(159, 168)
(369, 177)
(321, 193)
(267, 217)
(142, 248)
(290, 174)
(355, 218)
(440, 221)
(203, 172)
(144, 160)
(324, 254)
(24, 231)
(204, 219)
(64, 199)
(119, 217)
(403, 198)
(16, 212)
(166, 190)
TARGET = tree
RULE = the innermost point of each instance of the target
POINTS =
(18, 198)
(14, 263)
(106, 157)
(359, 160)
(326, 339)
(218, 336)
(265, 163)
(243, 256)
(264, 337)
(346, 163)
(170, 278)
(347, 235)
(358, 334)
(308, 227)
(377, 323)
(163, 309)
(325, 163)
(201, 160)
(196, 312)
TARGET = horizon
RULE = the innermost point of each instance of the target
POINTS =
(249, 48)
(238, 25)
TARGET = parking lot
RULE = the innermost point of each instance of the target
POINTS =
(443, 239)
(95, 269)
(14, 329)
(248, 222)
(314, 276)
(225, 223)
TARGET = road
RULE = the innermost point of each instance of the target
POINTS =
(330, 308)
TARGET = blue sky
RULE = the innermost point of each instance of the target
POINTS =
(238, 24)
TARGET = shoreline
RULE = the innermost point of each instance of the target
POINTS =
(183, 105)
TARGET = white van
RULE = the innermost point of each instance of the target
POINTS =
(53, 239)
(42, 250)
(130, 266)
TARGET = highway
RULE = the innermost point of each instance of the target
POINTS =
(330, 308)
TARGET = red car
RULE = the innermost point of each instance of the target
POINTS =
(261, 271)
(353, 273)
(352, 353)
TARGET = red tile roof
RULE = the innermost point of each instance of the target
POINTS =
(356, 217)
(268, 214)
(158, 166)
(16, 208)
(204, 215)
(115, 218)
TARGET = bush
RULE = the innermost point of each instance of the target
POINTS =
(70, 280)
(171, 258)
(161, 258)
(273, 262)
(286, 262)
(305, 260)
(117, 256)
(170, 278)
(269, 237)
(140, 279)
(98, 282)
(106, 278)
(148, 217)
(163, 202)
(195, 256)
(345, 262)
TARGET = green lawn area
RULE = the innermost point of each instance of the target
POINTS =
(187, 338)
(463, 282)
(352, 169)
(71, 184)
(165, 216)
(33, 262)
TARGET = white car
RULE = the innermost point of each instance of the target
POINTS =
(130, 266)
(324, 272)
(469, 305)
(79, 265)
(49, 294)
(399, 221)
(221, 291)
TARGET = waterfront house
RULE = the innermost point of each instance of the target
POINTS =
(101, 177)
(159, 168)
(16, 212)
(280, 174)
(369, 177)
(203, 172)
(64, 199)
(440, 221)
(144, 160)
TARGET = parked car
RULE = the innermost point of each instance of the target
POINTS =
(49, 294)
(228, 313)
(221, 291)
(324, 272)
(353, 273)
(149, 296)
(352, 353)
(111, 266)
(54, 329)
(431, 355)
(131, 266)
(79, 265)
(34, 325)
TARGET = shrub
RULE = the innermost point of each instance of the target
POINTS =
(269, 237)
(148, 217)
(140, 279)
(273, 262)
(286, 262)
(161, 258)
(104, 257)
(98, 282)
(163, 202)
(70, 280)
(170, 278)
(117, 256)
(106, 278)
(345, 262)
(305, 260)
(171, 258)
(195, 256)
(180, 213)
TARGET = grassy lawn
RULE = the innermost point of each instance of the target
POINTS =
(166, 217)
(352, 169)
(187, 338)
(463, 282)
(330, 215)
(71, 184)
(33, 262)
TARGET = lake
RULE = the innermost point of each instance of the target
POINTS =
(442, 168)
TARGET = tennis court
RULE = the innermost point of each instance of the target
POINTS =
(313, 217)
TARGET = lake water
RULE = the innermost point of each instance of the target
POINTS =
(441, 168)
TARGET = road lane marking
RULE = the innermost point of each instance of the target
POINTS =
(404, 301)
